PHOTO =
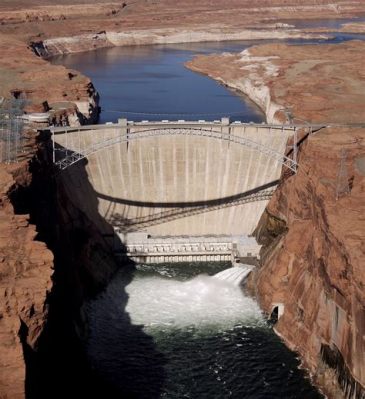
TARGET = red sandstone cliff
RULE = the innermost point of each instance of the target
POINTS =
(313, 258)
(42, 292)
(26, 266)
(67, 94)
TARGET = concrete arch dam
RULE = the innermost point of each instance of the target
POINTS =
(178, 176)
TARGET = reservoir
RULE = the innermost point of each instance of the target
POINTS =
(151, 83)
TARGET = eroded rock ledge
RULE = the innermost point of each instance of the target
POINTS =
(25, 281)
(68, 96)
(315, 83)
(87, 42)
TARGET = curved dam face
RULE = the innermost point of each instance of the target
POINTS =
(172, 184)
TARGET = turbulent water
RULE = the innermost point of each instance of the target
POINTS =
(173, 331)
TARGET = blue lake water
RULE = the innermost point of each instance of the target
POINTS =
(151, 82)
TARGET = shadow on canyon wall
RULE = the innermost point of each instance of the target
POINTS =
(60, 367)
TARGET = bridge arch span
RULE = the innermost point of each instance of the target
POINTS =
(75, 153)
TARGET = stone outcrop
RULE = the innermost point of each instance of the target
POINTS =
(47, 87)
(247, 73)
(87, 42)
(26, 267)
(52, 259)
(313, 234)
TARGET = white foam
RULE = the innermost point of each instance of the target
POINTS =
(201, 301)
(235, 275)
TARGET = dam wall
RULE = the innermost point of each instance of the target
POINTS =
(146, 179)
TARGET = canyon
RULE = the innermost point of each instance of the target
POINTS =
(53, 255)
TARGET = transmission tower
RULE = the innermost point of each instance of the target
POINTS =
(342, 182)
(11, 126)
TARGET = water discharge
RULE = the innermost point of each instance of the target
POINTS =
(176, 331)
(235, 275)
(202, 301)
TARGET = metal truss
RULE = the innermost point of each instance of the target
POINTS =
(71, 157)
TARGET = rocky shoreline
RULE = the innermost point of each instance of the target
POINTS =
(253, 86)
(89, 42)
(312, 83)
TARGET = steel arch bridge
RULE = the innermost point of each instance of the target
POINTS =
(64, 157)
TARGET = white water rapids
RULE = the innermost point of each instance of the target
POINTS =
(173, 336)
(201, 301)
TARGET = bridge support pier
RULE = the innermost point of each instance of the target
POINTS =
(226, 125)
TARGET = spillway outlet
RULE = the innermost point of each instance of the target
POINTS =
(143, 248)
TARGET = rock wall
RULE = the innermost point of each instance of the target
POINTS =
(52, 259)
(313, 238)
(26, 267)
(312, 260)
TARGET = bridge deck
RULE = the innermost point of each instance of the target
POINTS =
(179, 124)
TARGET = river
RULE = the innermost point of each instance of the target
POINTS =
(201, 338)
